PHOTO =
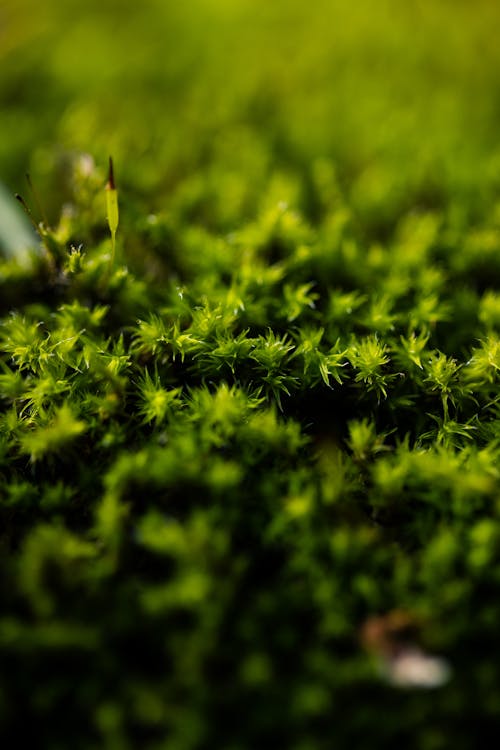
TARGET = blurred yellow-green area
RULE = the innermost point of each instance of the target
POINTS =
(404, 98)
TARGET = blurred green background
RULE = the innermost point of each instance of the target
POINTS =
(404, 98)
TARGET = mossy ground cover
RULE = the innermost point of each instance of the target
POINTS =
(249, 462)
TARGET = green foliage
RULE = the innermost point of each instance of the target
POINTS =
(267, 427)
(55, 436)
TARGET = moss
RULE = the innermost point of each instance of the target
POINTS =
(249, 447)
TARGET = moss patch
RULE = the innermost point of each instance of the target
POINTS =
(249, 482)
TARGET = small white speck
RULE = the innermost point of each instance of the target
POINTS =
(412, 668)
(86, 165)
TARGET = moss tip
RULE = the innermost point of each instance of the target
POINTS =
(111, 177)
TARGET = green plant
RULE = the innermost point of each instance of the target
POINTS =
(249, 461)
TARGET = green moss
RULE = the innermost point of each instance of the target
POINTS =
(250, 460)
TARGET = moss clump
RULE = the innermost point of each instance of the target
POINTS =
(249, 484)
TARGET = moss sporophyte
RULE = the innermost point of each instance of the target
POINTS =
(112, 208)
